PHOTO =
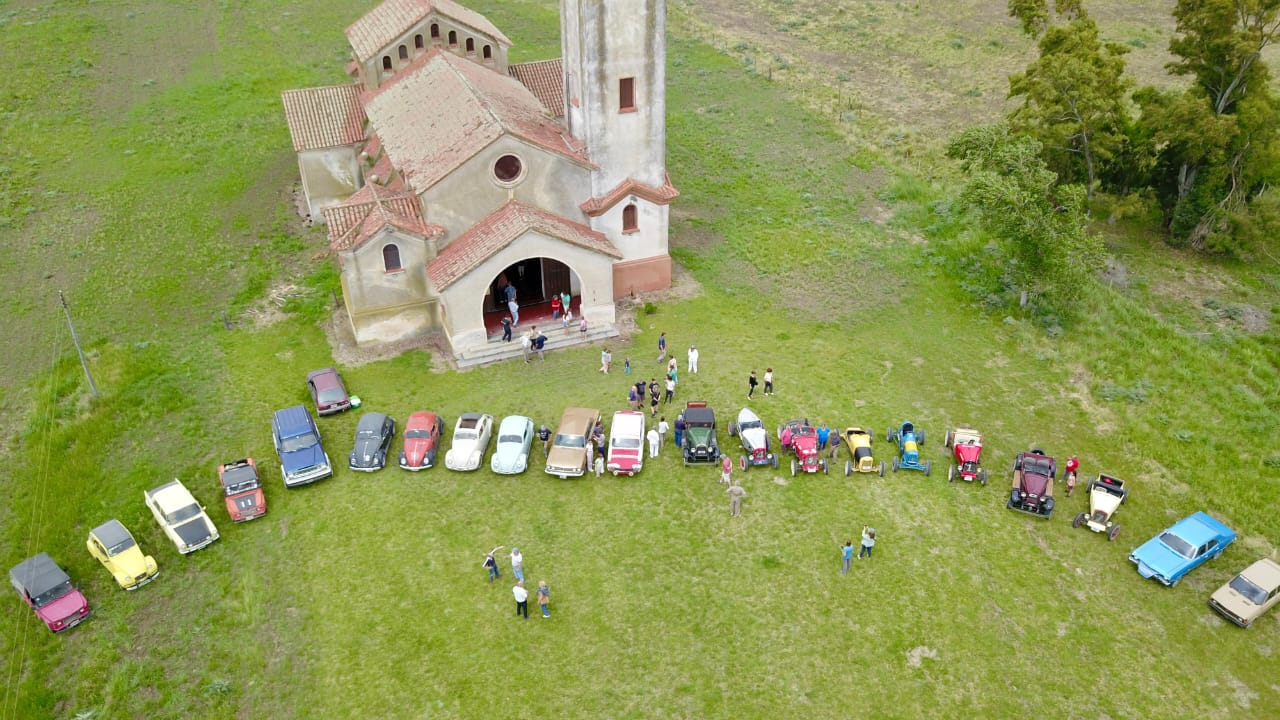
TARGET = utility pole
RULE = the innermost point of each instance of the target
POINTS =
(83, 363)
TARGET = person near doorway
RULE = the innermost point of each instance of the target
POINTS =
(556, 306)
(506, 329)
(567, 301)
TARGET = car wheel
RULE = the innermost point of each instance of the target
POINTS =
(744, 463)
(951, 473)
(928, 467)
(793, 468)
(775, 462)
(733, 429)
(920, 435)
(881, 468)
(848, 468)
(1079, 520)
(946, 440)
(888, 434)
(1113, 532)
(895, 464)
(982, 476)
(826, 469)
(1176, 581)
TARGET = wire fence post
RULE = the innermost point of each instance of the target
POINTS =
(83, 363)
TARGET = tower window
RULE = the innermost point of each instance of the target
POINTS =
(404, 53)
(453, 38)
(471, 45)
(630, 223)
(417, 42)
(486, 52)
(391, 258)
(386, 63)
(435, 32)
(626, 94)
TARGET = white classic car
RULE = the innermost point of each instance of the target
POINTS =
(180, 516)
(470, 440)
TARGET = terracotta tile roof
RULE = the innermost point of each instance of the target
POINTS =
(369, 210)
(498, 230)
(441, 109)
(659, 195)
(324, 117)
(392, 18)
(545, 79)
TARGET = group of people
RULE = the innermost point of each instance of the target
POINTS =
(518, 590)
(561, 309)
(867, 545)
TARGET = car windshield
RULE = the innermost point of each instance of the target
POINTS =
(298, 442)
(1036, 467)
(329, 395)
(1251, 592)
(510, 439)
(751, 425)
(1178, 545)
(465, 435)
(369, 433)
(238, 475)
(241, 487)
(182, 514)
(52, 594)
(121, 546)
(573, 441)
(626, 443)
(422, 433)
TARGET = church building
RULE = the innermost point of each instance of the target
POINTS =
(450, 179)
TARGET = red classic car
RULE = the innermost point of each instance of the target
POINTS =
(240, 484)
(801, 438)
(421, 440)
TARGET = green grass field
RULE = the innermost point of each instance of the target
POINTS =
(149, 176)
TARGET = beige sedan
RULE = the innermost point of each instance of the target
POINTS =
(1249, 594)
(568, 454)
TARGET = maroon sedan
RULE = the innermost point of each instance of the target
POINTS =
(421, 440)
(328, 392)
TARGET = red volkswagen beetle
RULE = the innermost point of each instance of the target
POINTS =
(421, 440)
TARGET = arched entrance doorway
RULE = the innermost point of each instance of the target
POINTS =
(534, 281)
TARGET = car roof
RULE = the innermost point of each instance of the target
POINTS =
(371, 421)
(1199, 528)
(1265, 573)
(172, 492)
(326, 377)
(470, 420)
(514, 423)
(294, 420)
(422, 418)
(111, 533)
(627, 422)
(699, 415)
(38, 574)
(575, 416)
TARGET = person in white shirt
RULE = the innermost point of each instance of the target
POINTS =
(654, 439)
(693, 360)
(522, 600)
(517, 564)
(663, 427)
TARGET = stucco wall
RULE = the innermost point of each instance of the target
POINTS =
(464, 299)
(651, 237)
(329, 177)
(368, 286)
(470, 193)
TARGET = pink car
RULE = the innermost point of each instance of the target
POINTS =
(626, 443)
(48, 590)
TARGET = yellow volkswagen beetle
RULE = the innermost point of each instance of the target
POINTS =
(114, 547)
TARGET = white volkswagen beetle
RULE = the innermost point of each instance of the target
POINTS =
(470, 440)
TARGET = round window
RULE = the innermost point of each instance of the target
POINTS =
(507, 169)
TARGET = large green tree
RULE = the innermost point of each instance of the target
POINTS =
(1216, 141)
(1040, 225)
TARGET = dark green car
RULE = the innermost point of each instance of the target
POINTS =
(699, 443)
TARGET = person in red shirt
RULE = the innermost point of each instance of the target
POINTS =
(726, 470)
(1073, 465)
(555, 307)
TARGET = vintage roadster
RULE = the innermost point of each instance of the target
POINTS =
(909, 439)
(1033, 475)
(966, 452)
(801, 439)
(750, 431)
(1106, 495)
(859, 443)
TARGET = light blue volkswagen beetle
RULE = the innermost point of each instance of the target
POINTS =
(515, 435)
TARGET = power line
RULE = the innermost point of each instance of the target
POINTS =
(83, 363)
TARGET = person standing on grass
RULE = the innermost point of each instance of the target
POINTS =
(491, 564)
(626, 366)
(606, 360)
(653, 401)
(544, 434)
(539, 342)
(506, 329)
(632, 400)
(544, 598)
(752, 382)
(868, 542)
(662, 347)
(693, 360)
(768, 381)
(835, 443)
(591, 450)
(726, 470)
(654, 438)
(663, 427)
(671, 389)
(600, 464)
(846, 555)
(522, 599)
(517, 564)
(824, 433)
(736, 493)
(679, 429)
(526, 344)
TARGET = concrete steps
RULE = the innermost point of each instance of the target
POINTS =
(557, 339)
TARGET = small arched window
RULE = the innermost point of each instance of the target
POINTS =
(417, 42)
(404, 53)
(486, 52)
(471, 45)
(391, 258)
(435, 32)
(630, 221)
(453, 38)
(386, 63)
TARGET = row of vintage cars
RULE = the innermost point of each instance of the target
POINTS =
(1168, 557)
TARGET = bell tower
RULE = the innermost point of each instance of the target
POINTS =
(614, 57)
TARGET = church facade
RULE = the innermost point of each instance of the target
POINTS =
(449, 179)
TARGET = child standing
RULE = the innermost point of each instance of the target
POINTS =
(846, 555)
(544, 598)
(726, 470)
(582, 326)
(599, 465)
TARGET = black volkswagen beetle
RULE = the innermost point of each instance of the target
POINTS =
(373, 440)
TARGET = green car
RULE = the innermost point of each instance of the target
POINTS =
(699, 442)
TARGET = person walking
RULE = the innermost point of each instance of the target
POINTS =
(654, 439)
(567, 301)
(671, 389)
(752, 382)
(491, 565)
(726, 470)
(662, 346)
(506, 328)
(663, 427)
(526, 345)
(517, 564)
(626, 366)
(539, 342)
(768, 381)
(736, 493)
(606, 360)
(544, 434)
(868, 542)
(693, 360)
(514, 307)
(544, 599)
(846, 556)
(679, 429)
(522, 599)
(653, 401)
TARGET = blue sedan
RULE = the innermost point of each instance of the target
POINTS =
(1183, 547)
(515, 435)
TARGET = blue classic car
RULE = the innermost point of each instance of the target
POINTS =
(1180, 549)
(515, 435)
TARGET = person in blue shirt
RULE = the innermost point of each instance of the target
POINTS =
(824, 433)
(846, 555)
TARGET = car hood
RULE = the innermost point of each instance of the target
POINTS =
(968, 453)
(416, 450)
(303, 458)
(699, 435)
(755, 438)
(1228, 599)
(194, 531)
(245, 503)
(67, 605)
(566, 457)
(131, 562)
(507, 455)
(1034, 483)
(1155, 558)
(366, 451)
(625, 457)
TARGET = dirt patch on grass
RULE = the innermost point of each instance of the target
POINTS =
(917, 655)
(342, 341)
